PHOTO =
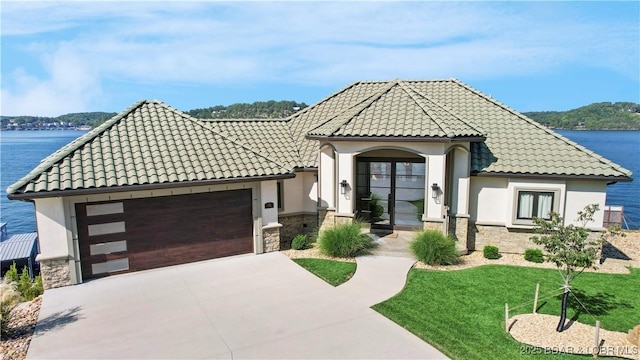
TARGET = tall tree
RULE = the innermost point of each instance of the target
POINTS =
(571, 248)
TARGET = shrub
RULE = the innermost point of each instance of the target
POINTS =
(9, 298)
(491, 252)
(375, 207)
(27, 288)
(434, 248)
(299, 242)
(344, 241)
(533, 255)
(11, 275)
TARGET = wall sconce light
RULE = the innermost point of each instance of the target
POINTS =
(343, 187)
(435, 189)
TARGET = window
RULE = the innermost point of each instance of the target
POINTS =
(280, 196)
(535, 204)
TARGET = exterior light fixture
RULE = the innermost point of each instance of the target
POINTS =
(434, 190)
(343, 187)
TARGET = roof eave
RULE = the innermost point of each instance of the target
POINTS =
(396, 138)
(554, 176)
(142, 187)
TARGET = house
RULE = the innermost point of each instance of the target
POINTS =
(154, 187)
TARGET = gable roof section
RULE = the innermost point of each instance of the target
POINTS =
(396, 111)
(148, 144)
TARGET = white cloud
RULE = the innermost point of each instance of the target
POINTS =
(309, 42)
(72, 85)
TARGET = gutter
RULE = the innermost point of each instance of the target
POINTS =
(612, 179)
(113, 189)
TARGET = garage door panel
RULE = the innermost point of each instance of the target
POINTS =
(163, 231)
(184, 253)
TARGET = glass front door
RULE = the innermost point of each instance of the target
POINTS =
(390, 193)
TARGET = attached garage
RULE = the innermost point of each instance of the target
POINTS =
(139, 234)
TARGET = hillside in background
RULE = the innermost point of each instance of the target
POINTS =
(258, 110)
(72, 120)
(597, 116)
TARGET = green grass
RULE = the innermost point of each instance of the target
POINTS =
(331, 271)
(462, 312)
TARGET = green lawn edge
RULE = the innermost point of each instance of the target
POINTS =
(461, 313)
(332, 271)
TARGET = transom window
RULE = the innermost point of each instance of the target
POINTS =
(535, 204)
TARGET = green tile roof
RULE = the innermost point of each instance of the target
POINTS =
(397, 111)
(514, 145)
(153, 144)
(148, 144)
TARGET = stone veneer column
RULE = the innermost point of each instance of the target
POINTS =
(339, 220)
(55, 273)
(326, 218)
(432, 225)
(460, 233)
(271, 238)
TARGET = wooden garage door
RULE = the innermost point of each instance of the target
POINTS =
(140, 234)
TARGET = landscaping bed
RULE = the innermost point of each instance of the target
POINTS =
(21, 324)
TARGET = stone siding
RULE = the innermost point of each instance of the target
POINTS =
(458, 230)
(326, 218)
(293, 225)
(432, 225)
(339, 220)
(271, 239)
(55, 273)
(507, 240)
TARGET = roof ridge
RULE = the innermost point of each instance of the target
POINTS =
(547, 130)
(75, 145)
(446, 109)
(435, 118)
(308, 108)
(208, 126)
(360, 106)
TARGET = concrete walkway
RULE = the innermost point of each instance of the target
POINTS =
(263, 306)
(377, 279)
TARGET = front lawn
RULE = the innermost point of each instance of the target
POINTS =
(462, 312)
(331, 271)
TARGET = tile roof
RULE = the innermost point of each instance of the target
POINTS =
(397, 110)
(152, 143)
(149, 143)
(19, 246)
(270, 138)
(514, 144)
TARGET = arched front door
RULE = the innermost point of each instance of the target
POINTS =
(390, 192)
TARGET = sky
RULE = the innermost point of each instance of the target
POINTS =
(63, 57)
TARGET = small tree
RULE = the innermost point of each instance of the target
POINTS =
(569, 247)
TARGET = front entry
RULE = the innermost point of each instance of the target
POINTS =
(390, 192)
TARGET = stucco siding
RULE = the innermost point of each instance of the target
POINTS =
(581, 193)
(488, 200)
(52, 220)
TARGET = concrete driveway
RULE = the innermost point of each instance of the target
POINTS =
(263, 306)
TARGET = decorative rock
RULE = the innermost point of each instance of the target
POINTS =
(21, 324)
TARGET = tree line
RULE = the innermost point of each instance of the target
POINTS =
(597, 116)
(258, 110)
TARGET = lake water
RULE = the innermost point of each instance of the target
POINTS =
(21, 151)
